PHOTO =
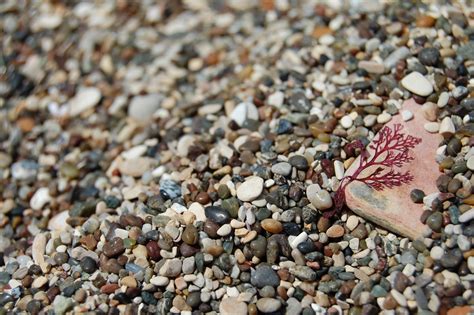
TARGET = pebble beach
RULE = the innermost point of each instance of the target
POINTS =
(179, 157)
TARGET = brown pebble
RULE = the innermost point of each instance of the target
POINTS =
(282, 293)
(26, 124)
(112, 266)
(153, 250)
(335, 231)
(113, 248)
(88, 241)
(131, 220)
(323, 224)
(52, 292)
(129, 281)
(425, 21)
(215, 250)
(389, 303)
(271, 225)
(187, 250)
(203, 198)
(284, 274)
(80, 295)
(210, 228)
(252, 309)
(109, 288)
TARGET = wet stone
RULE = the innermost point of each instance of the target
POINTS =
(217, 214)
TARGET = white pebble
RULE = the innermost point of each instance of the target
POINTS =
(407, 115)
(432, 127)
(443, 99)
(346, 121)
(467, 216)
(40, 198)
(416, 83)
(447, 127)
(250, 189)
(276, 99)
(224, 230)
(437, 253)
(352, 222)
(470, 163)
(384, 118)
(339, 169)
(299, 239)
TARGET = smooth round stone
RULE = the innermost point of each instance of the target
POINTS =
(416, 83)
(259, 246)
(352, 222)
(335, 231)
(232, 206)
(346, 122)
(417, 195)
(299, 162)
(429, 56)
(318, 197)
(263, 276)
(190, 235)
(194, 299)
(88, 264)
(224, 230)
(268, 305)
(406, 115)
(141, 108)
(232, 306)
(452, 258)
(272, 226)
(435, 221)
(217, 214)
(250, 189)
(281, 168)
(85, 99)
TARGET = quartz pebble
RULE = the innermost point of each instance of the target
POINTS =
(318, 197)
(250, 189)
(416, 83)
(85, 99)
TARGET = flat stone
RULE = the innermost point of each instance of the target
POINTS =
(264, 275)
(232, 306)
(141, 108)
(268, 305)
(250, 189)
(40, 198)
(85, 99)
(416, 83)
(282, 168)
(135, 167)
(372, 66)
(392, 208)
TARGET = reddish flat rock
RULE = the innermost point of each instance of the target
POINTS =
(392, 208)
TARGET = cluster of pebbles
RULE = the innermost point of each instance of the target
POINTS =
(177, 157)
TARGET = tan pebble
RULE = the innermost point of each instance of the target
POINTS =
(247, 238)
(235, 224)
(241, 232)
(129, 281)
(272, 226)
(335, 231)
